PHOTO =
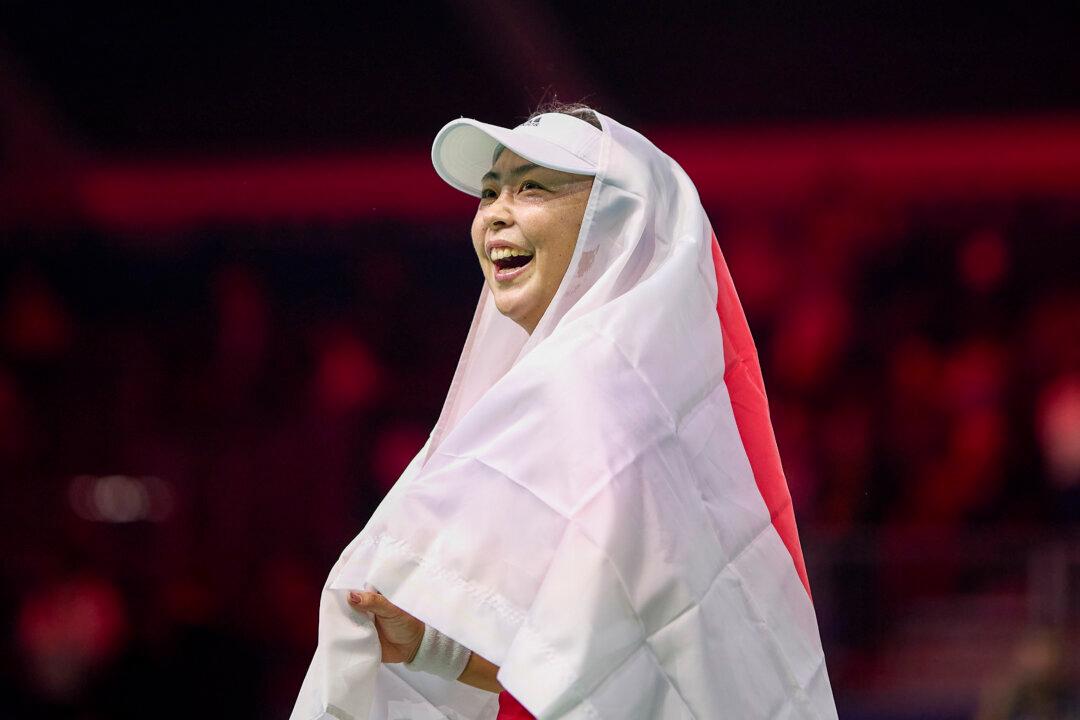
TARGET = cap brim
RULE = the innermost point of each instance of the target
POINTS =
(463, 153)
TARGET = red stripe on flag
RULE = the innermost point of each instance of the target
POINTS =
(511, 709)
(742, 374)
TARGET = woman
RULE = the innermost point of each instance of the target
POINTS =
(600, 512)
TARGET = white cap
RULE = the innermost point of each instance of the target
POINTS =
(464, 149)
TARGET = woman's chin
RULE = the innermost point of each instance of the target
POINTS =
(509, 308)
(513, 306)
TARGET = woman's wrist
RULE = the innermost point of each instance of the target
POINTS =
(439, 654)
(481, 673)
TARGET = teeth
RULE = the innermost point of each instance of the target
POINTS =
(504, 252)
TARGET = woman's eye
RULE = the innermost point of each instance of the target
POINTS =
(530, 185)
(487, 194)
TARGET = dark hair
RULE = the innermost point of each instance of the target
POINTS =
(579, 110)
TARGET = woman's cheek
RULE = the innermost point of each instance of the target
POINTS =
(478, 247)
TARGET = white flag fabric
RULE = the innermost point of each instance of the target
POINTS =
(600, 509)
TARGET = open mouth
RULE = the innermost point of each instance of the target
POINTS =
(510, 263)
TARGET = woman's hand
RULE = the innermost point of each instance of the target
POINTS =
(399, 632)
(400, 635)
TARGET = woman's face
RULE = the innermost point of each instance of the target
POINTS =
(524, 233)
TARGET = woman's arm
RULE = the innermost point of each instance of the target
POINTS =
(400, 634)
(480, 673)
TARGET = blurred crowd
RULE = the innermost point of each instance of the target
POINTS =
(193, 425)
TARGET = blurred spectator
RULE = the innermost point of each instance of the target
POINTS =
(33, 321)
(1040, 685)
(347, 376)
(70, 631)
(1058, 424)
(243, 334)
(395, 446)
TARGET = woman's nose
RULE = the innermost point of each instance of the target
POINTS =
(498, 213)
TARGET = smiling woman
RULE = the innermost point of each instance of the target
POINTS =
(524, 233)
(598, 525)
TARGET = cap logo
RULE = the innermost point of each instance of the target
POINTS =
(531, 122)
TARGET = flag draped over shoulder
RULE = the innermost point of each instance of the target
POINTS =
(601, 509)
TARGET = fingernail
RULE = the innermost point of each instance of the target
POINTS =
(355, 598)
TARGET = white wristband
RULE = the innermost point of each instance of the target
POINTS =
(440, 655)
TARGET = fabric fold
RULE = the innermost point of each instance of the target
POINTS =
(600, 509)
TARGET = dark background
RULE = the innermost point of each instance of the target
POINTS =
(232, 293)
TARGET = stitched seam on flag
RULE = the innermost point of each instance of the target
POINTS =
(501, 605)
(484, 596)
(399, 676)
(567, 675)
(335, 712)
(562, 666)
(770, 636)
